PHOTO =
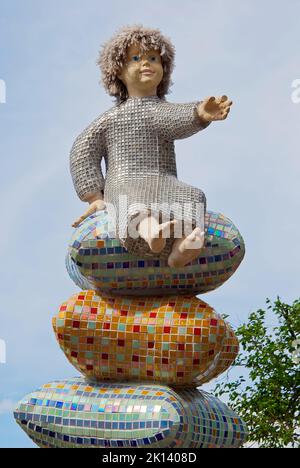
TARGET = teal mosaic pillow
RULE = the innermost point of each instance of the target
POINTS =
(75, 414)
(96, 260)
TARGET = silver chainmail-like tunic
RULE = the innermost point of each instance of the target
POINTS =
(136, 140)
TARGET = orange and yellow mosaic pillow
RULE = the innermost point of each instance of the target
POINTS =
(177, 340)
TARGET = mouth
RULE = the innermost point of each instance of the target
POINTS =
(147, 72)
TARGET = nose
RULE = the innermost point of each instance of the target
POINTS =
(145, 59)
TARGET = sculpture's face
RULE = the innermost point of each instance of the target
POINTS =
(141, 73)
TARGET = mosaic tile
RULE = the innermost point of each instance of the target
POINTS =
(96, 260)
(176, 340)
(77, 414)
(224, 360)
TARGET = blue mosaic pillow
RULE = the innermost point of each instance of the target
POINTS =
(96, 260)
(73, 413)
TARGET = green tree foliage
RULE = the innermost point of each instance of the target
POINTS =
(267, 398)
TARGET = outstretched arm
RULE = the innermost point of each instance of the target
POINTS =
(85, 164)
(178, 121)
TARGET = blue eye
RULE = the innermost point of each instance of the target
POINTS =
(135, 58)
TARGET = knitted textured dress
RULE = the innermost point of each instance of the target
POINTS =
(136, 140)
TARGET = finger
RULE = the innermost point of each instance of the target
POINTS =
(221, 116)
(92, 209)
(224, 111)
(224, 98)
(225, 104)
(225, 114)
(86, 214)
(219, 100)
(215, 117)
(76, 223)
(211, 99)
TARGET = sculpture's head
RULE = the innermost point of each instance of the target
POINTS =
(125, 57)
(142, 72)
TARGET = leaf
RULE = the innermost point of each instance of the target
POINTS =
(267, 395)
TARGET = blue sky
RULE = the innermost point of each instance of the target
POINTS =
(248, 166)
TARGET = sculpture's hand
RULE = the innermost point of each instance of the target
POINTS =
(95, 205)
(214, 109)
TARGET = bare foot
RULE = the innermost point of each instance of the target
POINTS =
(187, 249)
(163, 231)
(155, 234)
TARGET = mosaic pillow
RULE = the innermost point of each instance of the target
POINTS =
(177, 340)
(96, 260)
(75, 414)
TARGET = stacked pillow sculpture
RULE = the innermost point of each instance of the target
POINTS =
(144, 248)
(143, 344)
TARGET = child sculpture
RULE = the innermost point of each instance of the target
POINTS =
(136, 139)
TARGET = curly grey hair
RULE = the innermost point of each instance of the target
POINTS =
(113, 56)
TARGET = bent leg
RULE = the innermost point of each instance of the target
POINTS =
(187, 249)
(155, 234)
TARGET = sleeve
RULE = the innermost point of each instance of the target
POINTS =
(178, 121)
(85, 160)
